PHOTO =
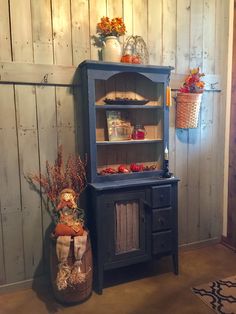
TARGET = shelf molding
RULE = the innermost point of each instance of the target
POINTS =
(128, 107)
(145, 141)
(48, 74)
(37, 74)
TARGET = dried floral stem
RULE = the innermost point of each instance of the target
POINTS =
(193, 82)
(59, 176)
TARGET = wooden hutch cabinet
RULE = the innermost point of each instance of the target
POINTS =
(131, 204)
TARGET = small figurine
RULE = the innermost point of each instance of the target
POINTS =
(70, 224)
(62, 186)
(71, 220)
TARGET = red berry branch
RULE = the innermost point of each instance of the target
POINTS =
(60, 175)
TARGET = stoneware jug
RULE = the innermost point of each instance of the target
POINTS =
(111, 50)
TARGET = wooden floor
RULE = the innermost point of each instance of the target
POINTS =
(141, 289)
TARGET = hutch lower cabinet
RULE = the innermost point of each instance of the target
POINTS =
(124, 131)
(132, 222)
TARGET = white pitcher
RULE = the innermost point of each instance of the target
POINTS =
(111, 50)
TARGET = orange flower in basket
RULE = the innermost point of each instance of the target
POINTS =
(193, 82)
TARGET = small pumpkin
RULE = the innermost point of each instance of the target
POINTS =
(65, 230)
(130, 59)
(136, 59)
(126, 59)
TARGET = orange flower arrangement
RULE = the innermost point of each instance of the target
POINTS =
(193, 82)
(113, 27)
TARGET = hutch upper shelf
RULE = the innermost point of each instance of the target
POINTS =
(117, 99)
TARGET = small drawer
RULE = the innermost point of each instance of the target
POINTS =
(161, 219)
(161, 242)
(161, 196)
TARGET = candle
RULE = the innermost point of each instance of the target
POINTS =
(168, 96)
(166, 154)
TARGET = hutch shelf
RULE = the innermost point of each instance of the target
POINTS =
(132, 201)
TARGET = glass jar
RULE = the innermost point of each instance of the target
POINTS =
(138, 132)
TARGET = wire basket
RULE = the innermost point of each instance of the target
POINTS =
(187, 110)
(135, 46)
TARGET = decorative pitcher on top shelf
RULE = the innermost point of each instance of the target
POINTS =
(111, 50)
(109, 31)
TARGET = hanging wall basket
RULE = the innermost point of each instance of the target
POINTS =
(187, 110)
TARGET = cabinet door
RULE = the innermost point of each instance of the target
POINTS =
(126, 229)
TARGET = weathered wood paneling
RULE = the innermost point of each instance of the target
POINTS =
(42, 31)
(169, 33)
(42, 43)
(97, 9)
(217, 168)
(80, 31)
(194, 135)
(10, 192)
(114, 8)
(21, 30)
(140, 22)
(28, 160)
(155, 38)
(128, 17)
(178, 146)
(61, 23)
(47, 141)
(45, 111)
(26, 119)
(5, 36)
(2, 266)
(65, 119)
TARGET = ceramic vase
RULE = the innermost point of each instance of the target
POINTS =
(111, 50)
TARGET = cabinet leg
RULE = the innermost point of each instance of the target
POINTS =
(176, 263)
(99, 281)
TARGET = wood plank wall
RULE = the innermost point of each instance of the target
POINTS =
(57, 35)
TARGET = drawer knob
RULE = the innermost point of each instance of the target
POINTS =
(161, 197)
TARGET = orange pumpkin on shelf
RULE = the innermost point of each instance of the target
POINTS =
(136, 60)
(130, 59)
